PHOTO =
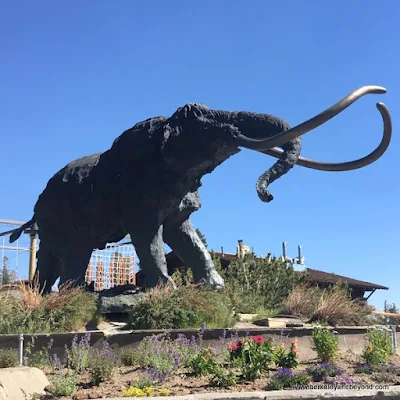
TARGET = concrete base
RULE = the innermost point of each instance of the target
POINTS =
(21, 383)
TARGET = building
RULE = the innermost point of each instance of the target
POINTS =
(360, 290)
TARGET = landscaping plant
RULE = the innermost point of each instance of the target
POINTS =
(325, 343)
(204, 362)
(64, 385)
(63, 311)
(188, 306)
(8, 358)
(252, 355)
(102, 363)
(286, 378)
(256, 285)
(333, 306)
(286, 358)
(77, 354)
(379, 347)
(320, 371)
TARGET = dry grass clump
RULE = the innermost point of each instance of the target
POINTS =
(29, 311)
(333, 306)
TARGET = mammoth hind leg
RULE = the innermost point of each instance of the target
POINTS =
(48, 266)
(74, 262)
(184, 240)
(149, 247)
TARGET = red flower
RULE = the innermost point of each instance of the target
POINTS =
(257, 339)
(234, 347)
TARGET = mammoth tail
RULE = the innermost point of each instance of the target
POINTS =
(17, 233)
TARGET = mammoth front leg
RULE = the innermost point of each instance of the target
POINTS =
(184, 240)
(149, 246)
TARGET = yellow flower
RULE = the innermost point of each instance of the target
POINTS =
(149, 390)
(164, 392)
(133, 392)
(370, 347)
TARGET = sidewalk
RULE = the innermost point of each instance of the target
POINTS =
(340, 394)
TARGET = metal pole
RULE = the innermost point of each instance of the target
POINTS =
(394, 338)
(32, 256)
(21, 350)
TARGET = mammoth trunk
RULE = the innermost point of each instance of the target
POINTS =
(289, 157)
(262, 126)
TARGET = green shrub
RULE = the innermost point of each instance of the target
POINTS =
(64, 311)
(379, 347)
(102, 364)
(8, 358)
(286, 359)
(188, 306)
(255, 285)
(64, 385)
(325, 343)
(128, 356)
(203, 363)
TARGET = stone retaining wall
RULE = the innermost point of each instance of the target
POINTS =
(350, 338)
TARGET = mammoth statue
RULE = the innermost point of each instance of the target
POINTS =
(146, 186)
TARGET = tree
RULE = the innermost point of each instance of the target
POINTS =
(5, 272)
(202, 237)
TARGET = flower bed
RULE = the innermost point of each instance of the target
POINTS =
(161, 366)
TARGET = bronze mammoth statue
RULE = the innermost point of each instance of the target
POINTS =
(146, 185)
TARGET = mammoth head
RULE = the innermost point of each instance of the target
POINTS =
(203, 138)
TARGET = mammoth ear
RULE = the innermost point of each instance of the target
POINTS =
(175, 139)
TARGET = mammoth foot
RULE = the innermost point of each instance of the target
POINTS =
(215, 280)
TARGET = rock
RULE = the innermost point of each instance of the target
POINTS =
(119, 304)
(80, 396)
(279, 322)
(21, 383)
(246, 317)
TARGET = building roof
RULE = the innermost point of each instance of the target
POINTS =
(317, 276)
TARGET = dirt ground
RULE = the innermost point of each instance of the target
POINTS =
(183, 383)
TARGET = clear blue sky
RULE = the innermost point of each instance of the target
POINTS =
(75, 74)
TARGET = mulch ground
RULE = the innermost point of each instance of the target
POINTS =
(183, 383)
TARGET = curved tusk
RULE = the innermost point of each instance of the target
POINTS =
(307, 126)
(349, 165)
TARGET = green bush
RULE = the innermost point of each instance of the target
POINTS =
(203, 363)
(8, 358)
(128, 356)
(256, 285)
(286, 359)
(379, 347)
(325, 343)
(64, 311)
(102, 364)
(64, 385)
(188, 306)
